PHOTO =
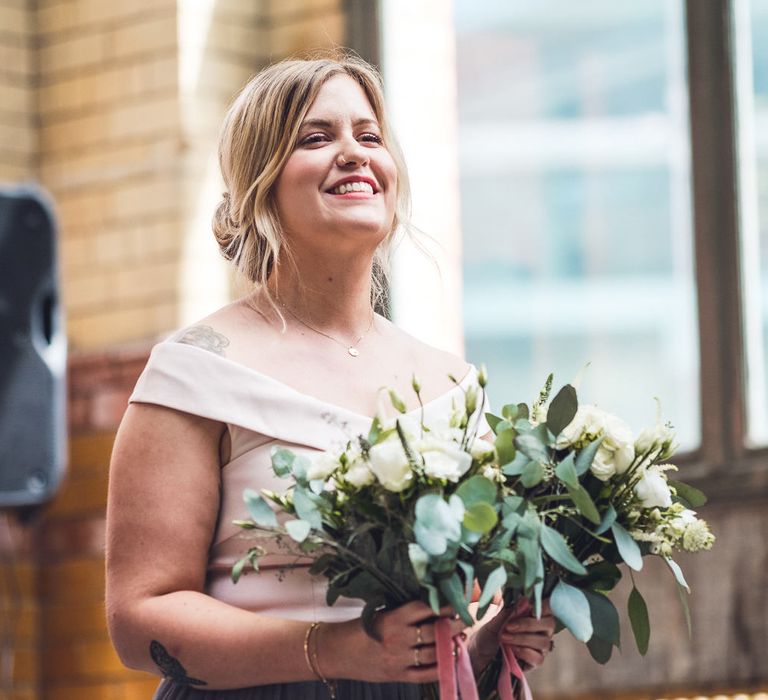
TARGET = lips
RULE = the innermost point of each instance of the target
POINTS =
(354, 183)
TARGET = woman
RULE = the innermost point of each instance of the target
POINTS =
(316, 189)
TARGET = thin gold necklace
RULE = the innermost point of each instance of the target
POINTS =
(351, 349)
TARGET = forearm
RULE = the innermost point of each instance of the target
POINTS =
(218, 644)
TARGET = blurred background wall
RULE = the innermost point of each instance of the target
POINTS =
(593, 178)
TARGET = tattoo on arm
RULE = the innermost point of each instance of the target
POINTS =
(206, 338)
(171, 668)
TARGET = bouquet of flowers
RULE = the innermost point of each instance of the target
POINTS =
(548, 508)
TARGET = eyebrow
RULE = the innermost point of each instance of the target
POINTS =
(327, 123)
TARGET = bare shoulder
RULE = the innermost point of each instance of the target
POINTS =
(431, 363)
(222, 332)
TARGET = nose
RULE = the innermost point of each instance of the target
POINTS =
(351, 154)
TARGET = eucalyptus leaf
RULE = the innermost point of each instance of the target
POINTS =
(605, 618)
(299, 468)
(599, 649)
(609, 518)
(562, 409)
(602, 576)
(297, 529)
(496, 579)
(571, 607)
(477, 489)
(469, 579)
(538, 588)
(690, 495)
(678, 573)
(493, 421)
(451, 588)
(628, 548)
(681, 594)
(505, 446)
(584, 503)
(259, 509)
(532, 475)
(532, 446)
(531, 550)
(480, 517)
(282, 461)
(586, 456)
(306, 505)
(566, 471)
(237, 569)
(556, 546)
(509, 412)
(522, 411)
(516, 466)
(638, 617)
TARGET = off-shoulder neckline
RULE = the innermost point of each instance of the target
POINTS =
(309, 397)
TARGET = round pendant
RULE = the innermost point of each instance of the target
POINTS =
(353, 351)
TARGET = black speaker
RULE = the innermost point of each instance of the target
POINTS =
(33, 351)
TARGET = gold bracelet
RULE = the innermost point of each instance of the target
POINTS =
(307, 655)
(330, 684)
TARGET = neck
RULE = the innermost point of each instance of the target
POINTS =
(333, 295)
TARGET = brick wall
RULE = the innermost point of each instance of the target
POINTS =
(18, 133)
(114, 108)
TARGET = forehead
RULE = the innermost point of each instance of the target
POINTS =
(340, 99)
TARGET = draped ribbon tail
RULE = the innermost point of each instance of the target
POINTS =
(466, 676)
(510, 665)
(446, 671)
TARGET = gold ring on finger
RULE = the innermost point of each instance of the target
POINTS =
(419, 640)
(416, 659)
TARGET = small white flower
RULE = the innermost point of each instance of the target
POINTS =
(697, 536)
(653, 490)
(322, 466)
(389, 464)
(480, 449)
(359, 474)
(587, 424)
(444, 459)
(657, 442)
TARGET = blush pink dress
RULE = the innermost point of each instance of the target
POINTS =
(260, 413)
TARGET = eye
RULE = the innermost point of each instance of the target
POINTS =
(369, 137)
(317, 137)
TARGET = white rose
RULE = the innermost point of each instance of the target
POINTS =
(481, 448)
(389, 464)
(653, 490)
(657, 442)
(322, 466)
(603, 466)
(618, 440)
(586, 425)
(444, 459)
(359, 475)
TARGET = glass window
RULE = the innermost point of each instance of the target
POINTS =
(751, 61)
(576, 204)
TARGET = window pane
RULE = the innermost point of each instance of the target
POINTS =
(575, 196)
(751, 42)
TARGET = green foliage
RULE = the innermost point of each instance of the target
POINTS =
(259, 509)
(571, 607)
(562, 410)
(689, 496)
(638, 617)
(555, 545)
(628, 548)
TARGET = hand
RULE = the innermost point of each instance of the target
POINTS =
(530, 639)
(406, 650)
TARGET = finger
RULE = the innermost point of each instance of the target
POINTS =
(531, 625)
(414, 612)
(427, 656)
(538, 642)
(529, 657)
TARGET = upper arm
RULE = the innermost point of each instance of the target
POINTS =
(163, 503)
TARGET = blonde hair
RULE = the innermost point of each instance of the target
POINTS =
(256, 139)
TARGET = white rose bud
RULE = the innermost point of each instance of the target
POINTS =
(322, 466)
(653, 490)
(587, 424)
(389, 464)
(444, 460)
(359, 475)
(603, 466)
(619, 441)
(480, 449)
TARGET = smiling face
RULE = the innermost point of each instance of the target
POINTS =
(340, 182)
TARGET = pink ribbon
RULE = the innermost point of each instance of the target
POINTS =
(453, 673)
(510, 665)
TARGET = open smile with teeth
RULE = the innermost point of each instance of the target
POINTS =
(352, 187)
